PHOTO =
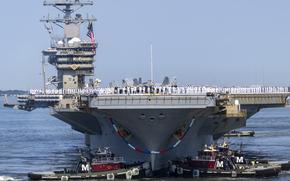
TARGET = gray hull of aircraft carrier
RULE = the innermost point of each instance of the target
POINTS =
(152, 121)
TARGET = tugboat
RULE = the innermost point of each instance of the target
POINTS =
(242, 158)
(105, 160)
(235, 133)
(101, 165)
(215, 161)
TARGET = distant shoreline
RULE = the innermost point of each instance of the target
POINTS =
(12, 92)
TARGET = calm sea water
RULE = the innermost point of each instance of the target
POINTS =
(35, 141)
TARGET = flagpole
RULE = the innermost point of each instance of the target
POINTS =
(151, 63)
(91, 35)
(43, 73)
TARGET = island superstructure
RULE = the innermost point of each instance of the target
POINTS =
(142, 122)
(72, 57)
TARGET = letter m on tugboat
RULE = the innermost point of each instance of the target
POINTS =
(86, 167)
(219, 164)
(240, 159)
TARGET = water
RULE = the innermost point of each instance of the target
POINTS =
(35, 141)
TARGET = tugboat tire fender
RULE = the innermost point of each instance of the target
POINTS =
(64, 178)
(180, 171)
(173, 168)
(135, 171)
(110, 176)
(234, 174)
(195, 173)
(129, 175)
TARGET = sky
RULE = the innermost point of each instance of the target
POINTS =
(200, 42)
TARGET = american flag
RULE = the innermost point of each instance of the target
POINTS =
(91, 32)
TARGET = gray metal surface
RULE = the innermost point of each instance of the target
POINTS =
(151, 102)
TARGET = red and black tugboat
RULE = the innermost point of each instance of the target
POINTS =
(105, 160)
(220, 161)
(103, 164)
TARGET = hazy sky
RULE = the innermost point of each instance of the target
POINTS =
(219, 42)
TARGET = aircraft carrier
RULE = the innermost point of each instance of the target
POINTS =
(144, 122)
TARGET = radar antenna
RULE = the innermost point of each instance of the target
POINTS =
(68, 8)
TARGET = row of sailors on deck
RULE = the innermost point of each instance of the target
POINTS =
(189, 90)
(165, 90)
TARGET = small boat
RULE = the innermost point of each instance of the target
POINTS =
(244, 159)
(9, 105)
(220, 161)
(102, 165)
(105, 160)
(6, 103)
(285, 165)
(235, 133)
(127, 174)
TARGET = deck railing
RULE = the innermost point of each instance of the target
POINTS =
(188, 90)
